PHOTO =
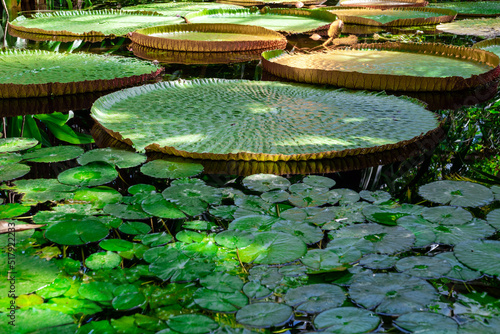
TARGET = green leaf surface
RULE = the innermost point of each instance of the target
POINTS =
(264, 315)
(103, 260)
(315, 298)
(113, 156)
(347, 320)
(482, 255)
(218, 301)
(92, 174)
(192, 324)
(30, 320)
(427, 322)
(77, 232)
(14, 144)
(459, 193)
(164, 169)
(53, 154)
(13, 171)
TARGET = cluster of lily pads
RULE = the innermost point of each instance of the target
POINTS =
(261, 253)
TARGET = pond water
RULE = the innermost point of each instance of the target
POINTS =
(129, 282)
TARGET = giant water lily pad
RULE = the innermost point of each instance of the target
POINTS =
(388, 66)
(246, 106)
(471, 8)
(392, 293)
(486, 28)
(382, 4)
(315, 298)
(347, 320)
(109, 23)
(178, 8)
(209, 37)
(460, 193)
(264, 314)
(113, 156)
(491, 45)
(393, 17)
(279, 19)
(482, 255)
(30, 273)
(92, 174)
(26, 73)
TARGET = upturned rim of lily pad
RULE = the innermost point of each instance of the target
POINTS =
(12, 90)
(270, 38)
(348, 16)
(375, 81)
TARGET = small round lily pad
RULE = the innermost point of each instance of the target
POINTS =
(98, 196)
(234, 239)
(426, 322)
(113, 156)
(458, 270)
(265, 182)
(134, 228)
(319, 181)
(347, 320)
(264, 315)
(11, 210)
(164, 169)
(378, 261)
(9, 158)
(103, 260)
(315, 298)
(14, 144)
(493, 219)
(157, 206)
(457, 193)
(77, 232)
(92, 174)
(54, 154)
(219, 301)
(126, 211)
(423, 266)
(223, 282)
(482, 255)
(192, 324)
(13, 171)
(447, 215)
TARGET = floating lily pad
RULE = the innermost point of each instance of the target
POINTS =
(486, 27)
(309, 234)
(458, 271)
(109, 23)
(134, 228)
(54, 73)
(347, 320)
(113, 156)
(454, 234)
(392, 293)
(373, 238)
(423, 266)
(447, 215)
(255, 290)
(171, 170)
(253, 223)
(378, 261)
(9, 158)
(14, 144)
(219, 301)
(308, 196)
(388, 215)
(157, 206)
(373, 66)
(234, 239)
(178, 8)
(424, 233)
(156, 239)
(376, 197)
(126, 211)
(324, 260)
(460, 193)
(222, 282)
(265, 182)
(275, 196)
(41, 190)
(285, 20)
(103, 260)
(54, 154)
(192, 324)
(177, 267)
(493, 218)
(343, 196)
(471, 8)
(77, 232)
(319, 181)
(315, 298)
(273, 248)
(293, 137)
(192, 196)
(339, 216)
(264, 315)
(482, 255)
(127, 297)
(93, 174)
(34, 320)
(116, 245)
(426, 322)
(13, 171)
(31, 273)
(98, 196)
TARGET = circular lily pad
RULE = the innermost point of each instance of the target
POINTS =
(127, 297)
(459, 193)
(264, 315)
(93, 174)
(388, 215)
(54, 73)
(126, 211)
(293, 21)
(426, 322)
(395, 17)
(157, 206)
(454, 234)
(209, 37)
(255, 290)
(287, 135)
(392, 293)
(178, 8)
(424, 234)
(486, 28)
(423, 266)
(315, 298)
(9, 158)
(134, 228)
(102, 23)
(493, 218)
(376, 197)
(319, 181)
(265, 182)
(13, 171)
(41, 190)
(192, 196)
(482, 255)
(447, 215)
(326, 260)
(458, 270)
(382, 4)
(113, 156)
(77, 232)
(171, 170)
(103, 260)
(222, 282)
(309, 234)
(234, 239)
(14, 144)
(54, 154)
(11, 210)
(378, 261)
(273, 248)
(471, 8)
(192, 324)
(347, 320)
(219, 301)
(98, 196)
(388, 66)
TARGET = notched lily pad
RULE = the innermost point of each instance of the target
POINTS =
(426, 322)
(458, 193)
(92, 174)
(164, 169)
(265, 182)
(14, 144)
(77, 232)
(423, 266)
(315, 298)
(347, 320)
(482, 255)
(264, 315)
(13, 171)
(113, 156)
(54, 154)
(192, 324)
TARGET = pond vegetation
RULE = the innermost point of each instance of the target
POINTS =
(110, 240)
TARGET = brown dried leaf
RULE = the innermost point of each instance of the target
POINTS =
(4, 227)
